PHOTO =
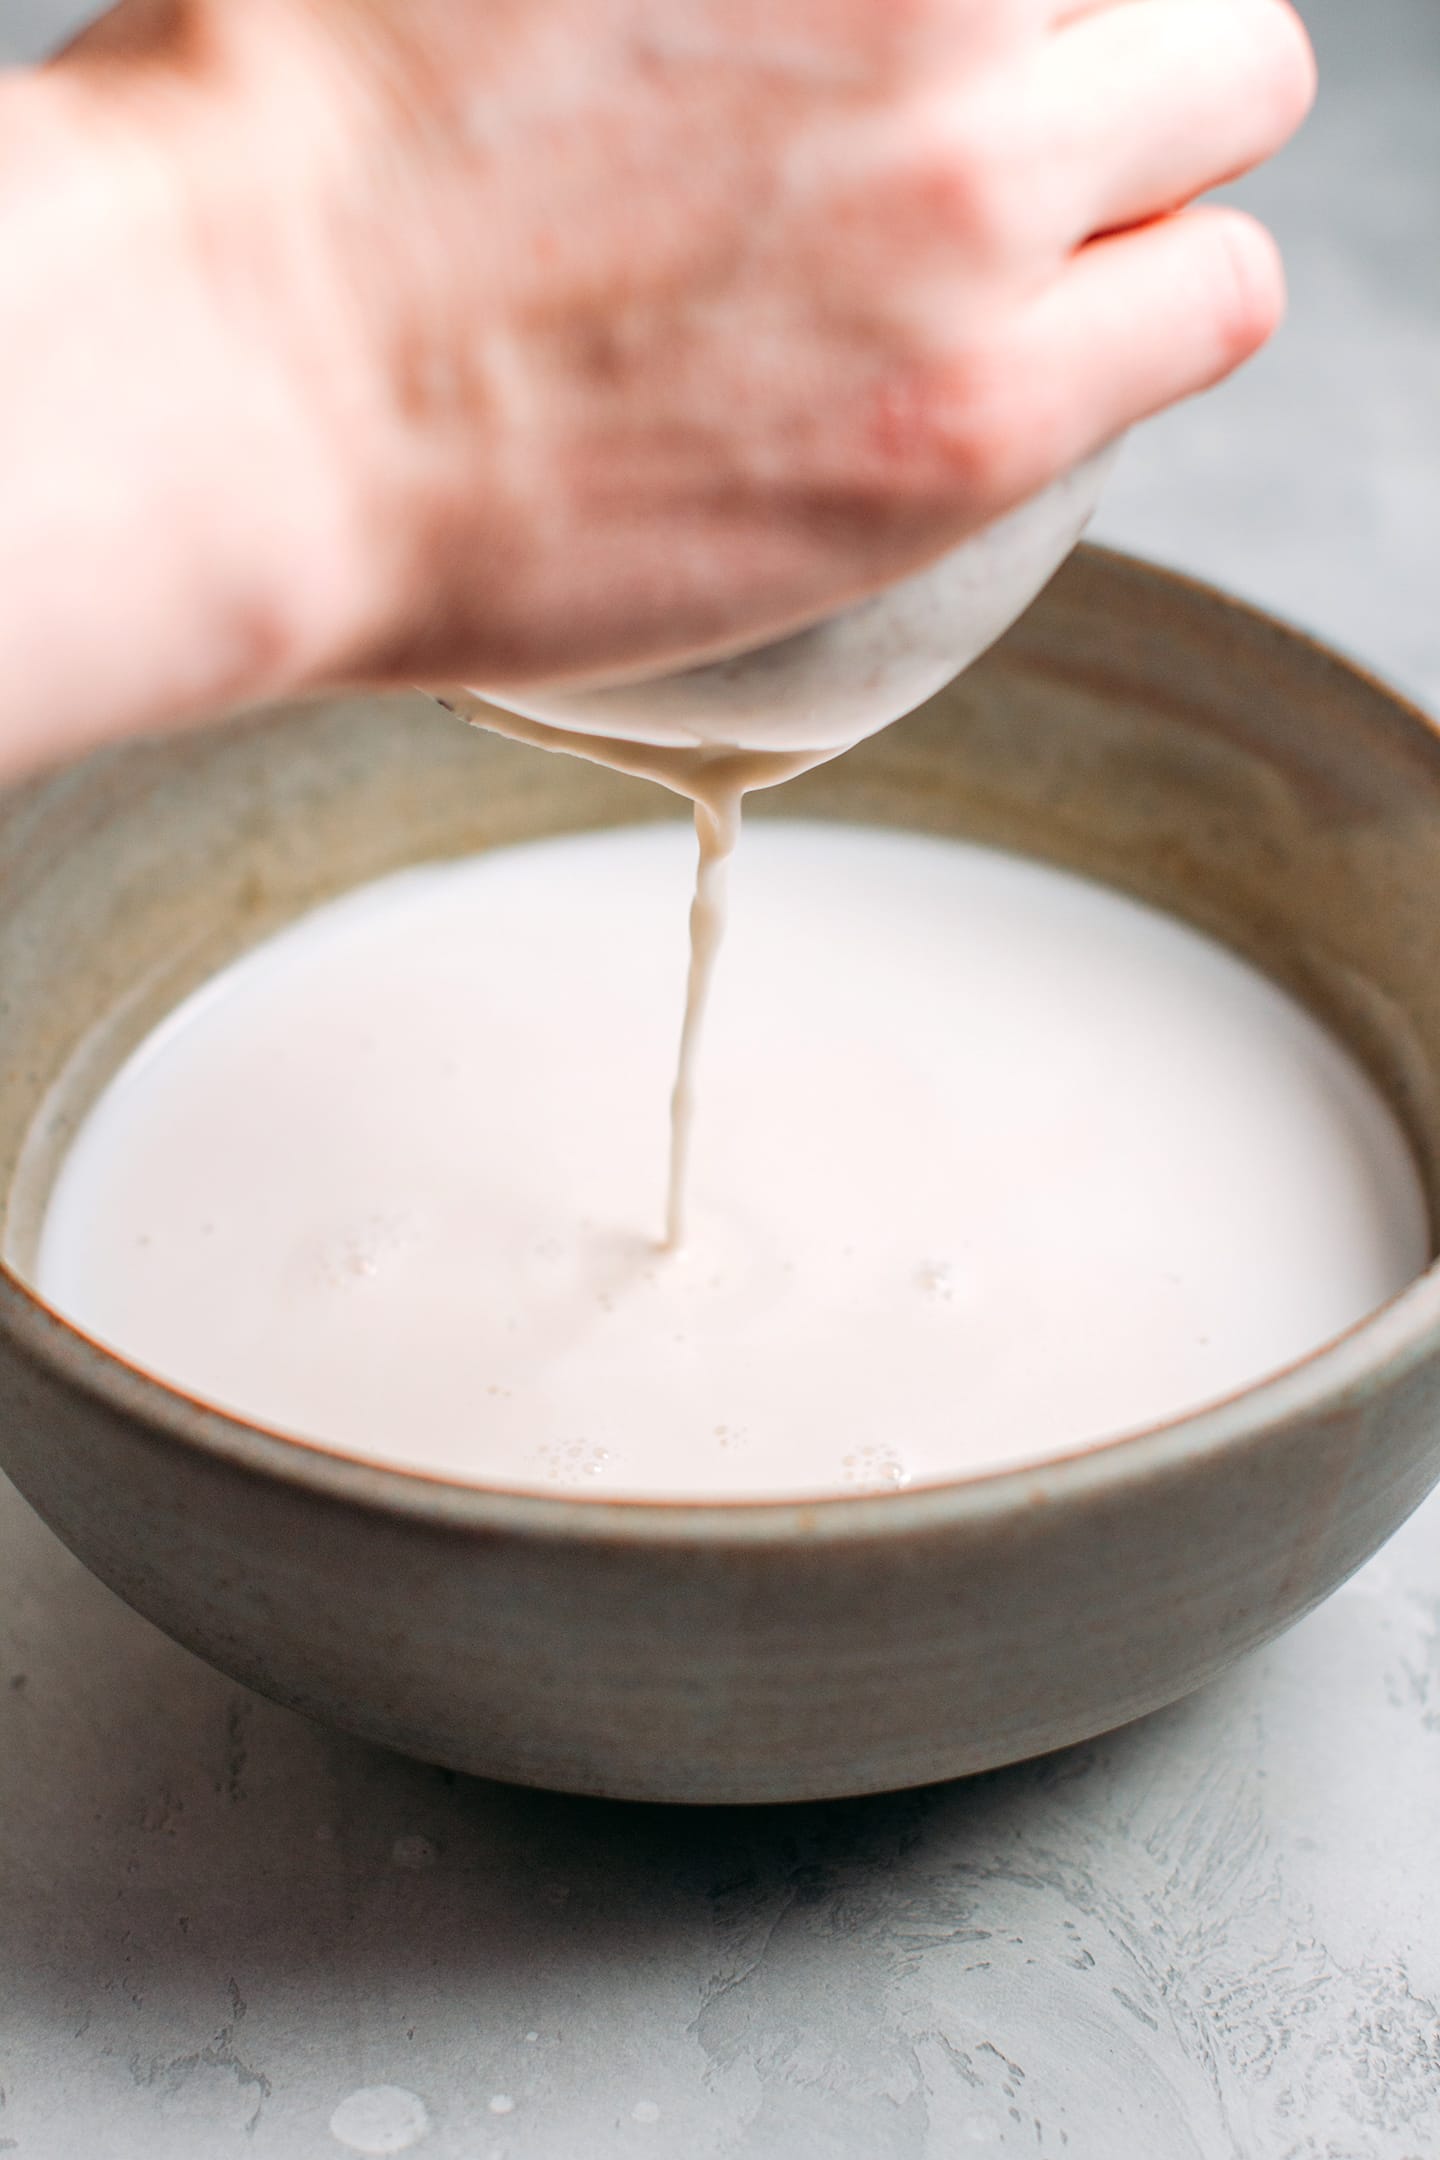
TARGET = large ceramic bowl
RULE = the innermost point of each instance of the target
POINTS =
(1134, 727)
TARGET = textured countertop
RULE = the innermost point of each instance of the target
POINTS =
(1215, 1936)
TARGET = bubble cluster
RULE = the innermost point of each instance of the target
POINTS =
(874, 1467)
(563, 1462)
(363, 1251)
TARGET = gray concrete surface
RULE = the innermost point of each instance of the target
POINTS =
(1215, 1936)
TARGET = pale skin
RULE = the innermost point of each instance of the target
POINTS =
(524, 340)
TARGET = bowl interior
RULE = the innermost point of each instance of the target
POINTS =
(1134, 727)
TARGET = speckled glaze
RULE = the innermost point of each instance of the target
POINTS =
(1134, 727)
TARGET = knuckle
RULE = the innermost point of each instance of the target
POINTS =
(976, 206)
(980, 189)
(972, 437)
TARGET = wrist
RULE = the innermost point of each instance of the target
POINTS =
(178, 416)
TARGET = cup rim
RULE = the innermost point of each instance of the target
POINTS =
(1384, 1345)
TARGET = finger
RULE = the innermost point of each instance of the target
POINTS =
(1138, 108)
(1136, 322)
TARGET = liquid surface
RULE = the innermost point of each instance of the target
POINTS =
(989, 1163)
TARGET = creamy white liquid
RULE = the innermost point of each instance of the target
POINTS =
(989, 1163)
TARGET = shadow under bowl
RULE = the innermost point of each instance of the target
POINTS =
(1134, 727)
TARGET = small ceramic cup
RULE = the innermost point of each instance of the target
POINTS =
(1133, 727)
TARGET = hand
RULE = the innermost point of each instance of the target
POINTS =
(609, 332)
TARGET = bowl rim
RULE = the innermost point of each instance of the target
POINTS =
(1381, 1348)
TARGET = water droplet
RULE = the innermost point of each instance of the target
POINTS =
(380, 2119)
(501, 2104)
(645, 2111)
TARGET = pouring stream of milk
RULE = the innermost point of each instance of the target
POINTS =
(717, 828)
(716, 780)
